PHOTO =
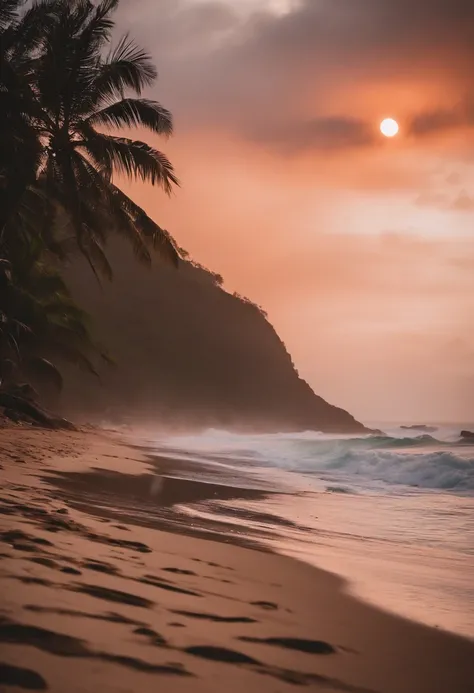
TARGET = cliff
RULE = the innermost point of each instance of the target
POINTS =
(188, 352)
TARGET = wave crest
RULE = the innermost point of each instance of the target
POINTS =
(417, 461)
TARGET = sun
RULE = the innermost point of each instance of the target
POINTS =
(389, 127)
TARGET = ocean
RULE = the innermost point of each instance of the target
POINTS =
(393, 514)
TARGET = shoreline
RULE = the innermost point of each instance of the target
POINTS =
(254, 618)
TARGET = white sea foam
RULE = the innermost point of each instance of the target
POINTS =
(419, 461)
(391, 513)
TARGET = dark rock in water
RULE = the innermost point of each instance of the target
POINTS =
(467, 435)
(420, 427)
(192, 354)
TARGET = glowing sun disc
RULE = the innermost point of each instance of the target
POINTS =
(389, 127)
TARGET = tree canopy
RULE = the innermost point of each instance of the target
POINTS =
(65, 93)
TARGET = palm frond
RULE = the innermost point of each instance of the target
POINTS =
(42, 368)
(75, 356)
(132, 113)
(97, 258)
(123, 216)
(159, 239)
(117, 216)
(133, 64)
(132, 158)
(33, 25)
(105, 8)
(8, 11)
(127, 67)
(57, 194)
(97, 24)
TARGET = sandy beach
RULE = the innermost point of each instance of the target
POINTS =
(97, 596)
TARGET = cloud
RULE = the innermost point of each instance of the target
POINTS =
(443, 119)
(287, 79)
(462, 202)
(287, 183)
(330, 133)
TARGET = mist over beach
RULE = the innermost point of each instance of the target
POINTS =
(236, 353)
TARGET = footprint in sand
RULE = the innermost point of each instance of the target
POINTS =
(299, 644)
(220, 654)
(179, 571)
(21, 678)
(70, 571)
(164, 585)
(111, 595)
(215, 618)
(101, 567)
(154, 637)
(269, 606)
(67, 646)
(111, 616)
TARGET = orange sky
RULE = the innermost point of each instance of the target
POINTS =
(360, 248)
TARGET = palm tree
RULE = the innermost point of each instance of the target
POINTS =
(20, 144)
(70, 99)
(61, 99)
(40, 326)
(39, 319)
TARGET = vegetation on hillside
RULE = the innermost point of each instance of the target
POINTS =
(64, 94)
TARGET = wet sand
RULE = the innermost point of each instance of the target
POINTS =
(107, 586)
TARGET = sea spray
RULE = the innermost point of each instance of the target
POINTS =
(420, 461)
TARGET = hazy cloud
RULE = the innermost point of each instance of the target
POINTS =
(271, 77)
(320, 133)
(462, 202)
(363, 314)
(444, 119)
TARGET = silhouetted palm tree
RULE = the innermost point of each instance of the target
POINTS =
(61, 98)
(20, 140)
(69, 98)
(39, 320)
(40, 327)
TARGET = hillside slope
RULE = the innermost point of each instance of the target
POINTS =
(188, 352)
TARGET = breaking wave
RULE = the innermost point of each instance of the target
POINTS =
(394, 461)
(421, 461)
(432, 470)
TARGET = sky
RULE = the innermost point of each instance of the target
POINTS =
(360, 248)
